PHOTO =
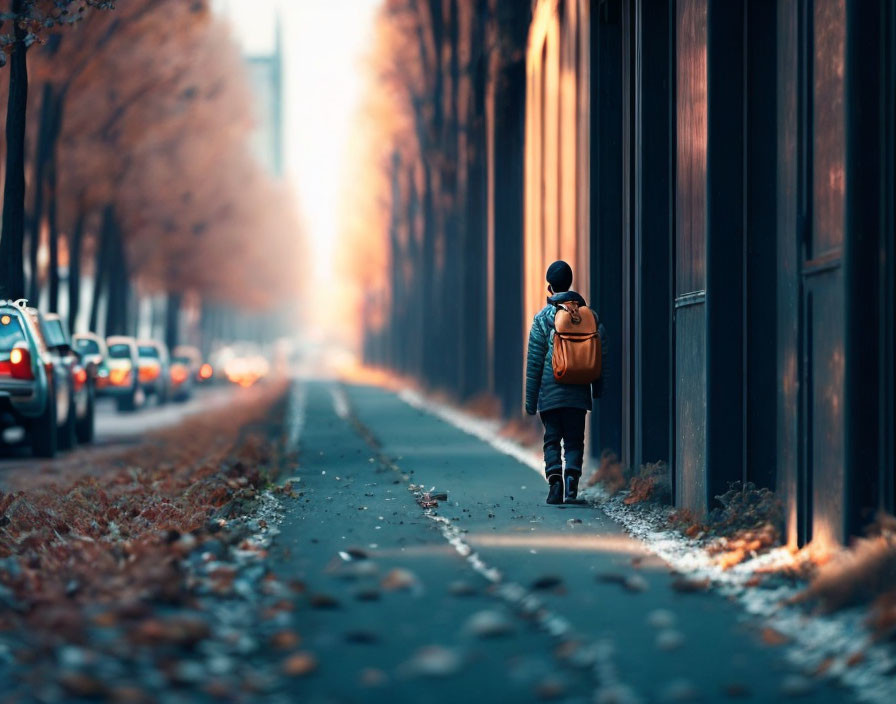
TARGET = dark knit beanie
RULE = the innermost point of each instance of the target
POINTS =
(559, 276)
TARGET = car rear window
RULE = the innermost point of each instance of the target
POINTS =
(87, 346)
(10, 331)
(53, 333)
(148, 351)
(120, 351)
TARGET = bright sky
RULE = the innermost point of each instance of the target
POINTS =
(324, 44)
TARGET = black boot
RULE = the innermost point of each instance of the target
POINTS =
(571, 481)
(555, 492)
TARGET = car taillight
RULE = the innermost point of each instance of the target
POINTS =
(205, 371)
(80, 377)
(20, 363)
(149, 372)
(120, 376)
(179, 373)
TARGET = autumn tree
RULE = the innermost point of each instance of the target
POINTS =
(154, 156)
(431, 65)
(30, 21)
(141, 169)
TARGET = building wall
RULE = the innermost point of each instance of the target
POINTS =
(720, 174)
(689, 319)
(736, 272)
(556, 180)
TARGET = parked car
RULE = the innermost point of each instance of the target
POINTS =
(186, 366)
(35, 392)
(154, 369)
(79, 424)
(124, 384)
(95, 354)
(242, 364)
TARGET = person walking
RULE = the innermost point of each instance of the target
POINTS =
(565, 371)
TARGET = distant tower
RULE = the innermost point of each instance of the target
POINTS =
(266, 75)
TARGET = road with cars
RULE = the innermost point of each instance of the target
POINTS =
(59, 392)
(19, 469)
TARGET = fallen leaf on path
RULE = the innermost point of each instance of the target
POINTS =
(856, 658)
(434, 661)
(635, 583)
(80, 684)
(736, 689)
(661, 618)
(323, 601)
(461, 588)
(367, 595)
(285, 640)
(823, 667)
(686, 585)
(373, 677)
(669, 640)
(489, 624)
(548, 581)
(299, 665)
(771, 636)
(400, 579)
(130, 695)
(361, 637)
(796, 686)
(550, 688)
(426, 501)
(611, 578)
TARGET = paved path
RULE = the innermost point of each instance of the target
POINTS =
(605, 626)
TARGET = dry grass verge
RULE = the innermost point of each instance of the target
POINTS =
(747, 522)
(651, 483)
(865, 573)
(117, 536)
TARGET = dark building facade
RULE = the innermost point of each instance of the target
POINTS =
(741, 244)
(721, 175)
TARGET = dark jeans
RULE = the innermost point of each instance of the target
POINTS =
(568, 425)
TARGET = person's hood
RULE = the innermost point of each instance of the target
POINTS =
(565, 297)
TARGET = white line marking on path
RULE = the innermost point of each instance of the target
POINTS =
(296, 413)
(597, 656)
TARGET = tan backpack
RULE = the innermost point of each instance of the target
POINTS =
(577, 350)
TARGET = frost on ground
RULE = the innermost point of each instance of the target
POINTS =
(837, 645)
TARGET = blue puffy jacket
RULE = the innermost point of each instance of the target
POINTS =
(543, 392)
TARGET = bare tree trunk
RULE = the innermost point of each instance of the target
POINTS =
(119, 284)
(451, 343)
(52, 206)
(474, 233)
(41, 156)
(392, 332)
(172, 320)
(100, 270)
(12, 235)
(74, 269)
(415, 311)
(428, 135)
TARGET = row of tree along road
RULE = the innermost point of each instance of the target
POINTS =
(127, 164)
